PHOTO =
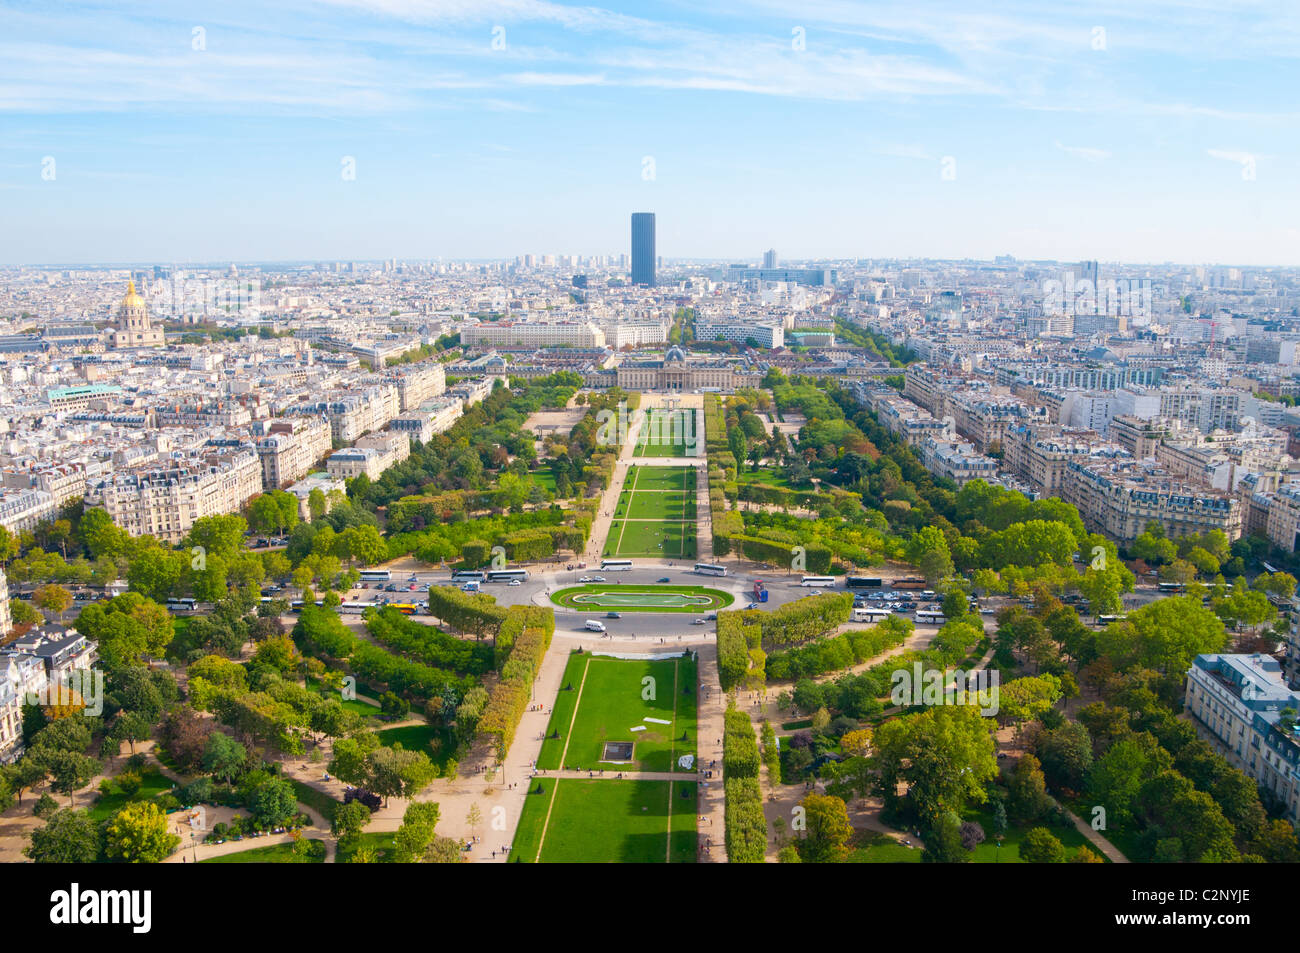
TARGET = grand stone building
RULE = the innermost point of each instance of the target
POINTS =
(676, 373)
(134, 329)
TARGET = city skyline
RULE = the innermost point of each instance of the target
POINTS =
(365, 130)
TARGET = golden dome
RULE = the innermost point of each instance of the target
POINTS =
(132, 300)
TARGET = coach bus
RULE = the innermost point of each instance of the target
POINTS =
(823, 581)
(863, 582)
(506, 575)
(405, 608)
(863, 614)
(710, 569)
(375, 575)
(467, 575)
(178, 604)
(1171, 586)
(929, 617)
(615, 565)
(1108, 619)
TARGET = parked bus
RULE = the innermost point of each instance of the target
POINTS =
(506, 575)
(467, 575)
(929, 617)
(405, 608)
(864, 614)
(710, 569)
(615, 565)
(1108, 619)
(375, 575)
(824, 581)
(1171, 586)
(176, 605)
(863, 582)
(913, 582)
(353, 608)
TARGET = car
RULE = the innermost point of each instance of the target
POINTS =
(597, 578)
(698, 622)
(988, 612)
(513, 582)
(613, 615)
(584, 579)
(411, 588)
(752, 605)
(665, 579)
(412, 578)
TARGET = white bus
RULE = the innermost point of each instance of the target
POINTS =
(595, 625)
(506, 575)
(1108, 619)
(615, 565)
(826, 581)
(178, 604)
(467, 575)
(353, 608)
(863, 614)
(376, 575)
(710, 569)
(929, 617)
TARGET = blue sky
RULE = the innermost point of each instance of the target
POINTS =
(1135, 131)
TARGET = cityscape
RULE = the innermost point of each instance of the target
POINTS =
(673, 534)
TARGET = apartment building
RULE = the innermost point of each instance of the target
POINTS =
(165, 500)
(80, 397)
(23, 510)
(371, 456)
(740, 332)
(417, 383)
(957, 460)
(196, 414)
(353, 413)
(1237, 703)
(291, 447)
(1119, 499)
(532, 334)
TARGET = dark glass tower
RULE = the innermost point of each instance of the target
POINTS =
(643, 248)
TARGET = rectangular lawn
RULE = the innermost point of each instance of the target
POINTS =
(607, 821)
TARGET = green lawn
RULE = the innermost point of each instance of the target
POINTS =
(274, 854)
(600, 597)
(354, 705)
(662, 478)
(660, 449)
(879, 849)
(655, 505)
(318, 801)
(612, 703)
(989, 853)
(609, 821)
(106, 805)
(378, 841)
(421, 738)
(651, 538)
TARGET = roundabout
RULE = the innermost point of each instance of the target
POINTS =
(642, 598)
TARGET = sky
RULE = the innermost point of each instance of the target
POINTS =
(172, 132)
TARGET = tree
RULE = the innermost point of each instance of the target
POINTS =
(69, 770)
(828, 829)
(945, 754)
(1028, 790)
(1164, 635)
(23, 613)
(137, 834)
(1066, 755)
(273, 803)
(224, 757)
(1040, 846)
(128, 628)
(349, 820)
(53, 598)
(68, 837)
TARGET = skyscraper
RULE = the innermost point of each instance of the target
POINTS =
(643, 248)
(769, 258)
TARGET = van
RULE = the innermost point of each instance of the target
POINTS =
(595, 625)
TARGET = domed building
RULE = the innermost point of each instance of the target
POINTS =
(134, 329)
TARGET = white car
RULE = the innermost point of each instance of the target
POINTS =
(515, 582)
(597, 578)
(584, 579)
